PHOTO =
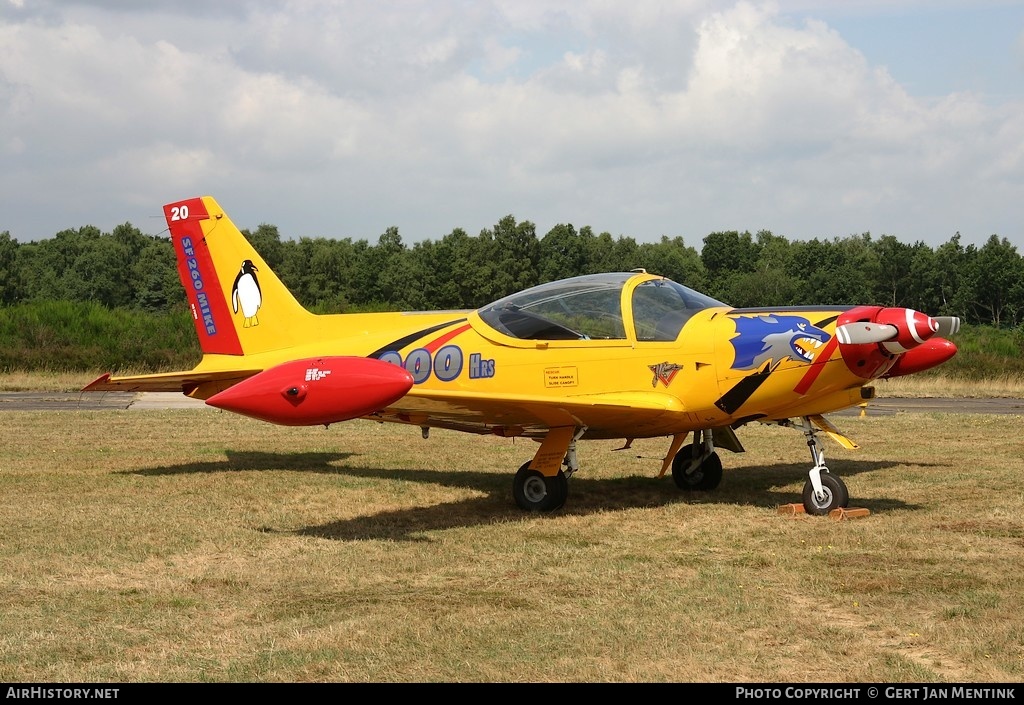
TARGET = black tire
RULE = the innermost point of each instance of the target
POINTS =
(705, 478)
(843, 490)
(534, 492)
(836, 495)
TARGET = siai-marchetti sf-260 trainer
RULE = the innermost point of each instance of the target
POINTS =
(619, 355)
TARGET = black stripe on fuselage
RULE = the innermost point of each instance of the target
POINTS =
(741, 391)
(396, 345)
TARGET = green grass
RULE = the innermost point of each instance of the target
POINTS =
(66, 336)
(192, 545)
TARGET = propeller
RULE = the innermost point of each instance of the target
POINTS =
(899, 329)
(863, 332)
(948, 325)
(893, 341)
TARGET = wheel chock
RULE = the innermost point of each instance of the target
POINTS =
(837, 514)
(847, 513)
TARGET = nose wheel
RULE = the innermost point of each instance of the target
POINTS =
(823, 491)
(833, 494)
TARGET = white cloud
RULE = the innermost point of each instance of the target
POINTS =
(345, 118)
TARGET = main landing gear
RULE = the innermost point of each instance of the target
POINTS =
(536, 492)
(697, 466)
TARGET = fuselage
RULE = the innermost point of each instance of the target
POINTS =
(624, 355)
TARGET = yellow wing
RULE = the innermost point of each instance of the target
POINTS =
(613, 415)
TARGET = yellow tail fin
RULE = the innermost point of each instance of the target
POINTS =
(238, 304)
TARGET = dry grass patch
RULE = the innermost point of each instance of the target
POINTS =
(939, 385)
(30, 381)
(192, 545)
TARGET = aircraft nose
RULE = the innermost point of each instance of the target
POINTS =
(897, 330)
(913, 328)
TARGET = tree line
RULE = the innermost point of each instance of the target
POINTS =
(129, 269)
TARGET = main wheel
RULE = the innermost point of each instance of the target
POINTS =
(536, 493)
(706, 476)
(835, 495)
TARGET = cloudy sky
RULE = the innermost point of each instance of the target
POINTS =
(642, 118)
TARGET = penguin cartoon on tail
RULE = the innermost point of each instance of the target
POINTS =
(245, 294)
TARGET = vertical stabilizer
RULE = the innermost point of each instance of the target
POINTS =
(238, 304)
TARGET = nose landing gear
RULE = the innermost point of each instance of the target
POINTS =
(823, 491)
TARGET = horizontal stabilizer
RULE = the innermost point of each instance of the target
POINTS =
(184, 382)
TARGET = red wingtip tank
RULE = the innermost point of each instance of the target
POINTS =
(316, 391)
(923, 357)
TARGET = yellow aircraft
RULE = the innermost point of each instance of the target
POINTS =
(605, 356)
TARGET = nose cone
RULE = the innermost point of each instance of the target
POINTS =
(316, 391)
(913, 328)
(888, 342)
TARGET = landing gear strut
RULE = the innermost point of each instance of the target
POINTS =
(823, 491)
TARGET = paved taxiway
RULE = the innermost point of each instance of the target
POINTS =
(90, 401)
(70, 401)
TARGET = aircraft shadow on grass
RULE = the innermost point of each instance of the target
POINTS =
(253, 461)
(751, 486)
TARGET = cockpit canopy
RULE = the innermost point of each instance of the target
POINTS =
(590, 307)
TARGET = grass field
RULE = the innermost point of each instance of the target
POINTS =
(192, 545)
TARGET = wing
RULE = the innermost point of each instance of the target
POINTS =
(614, 415)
